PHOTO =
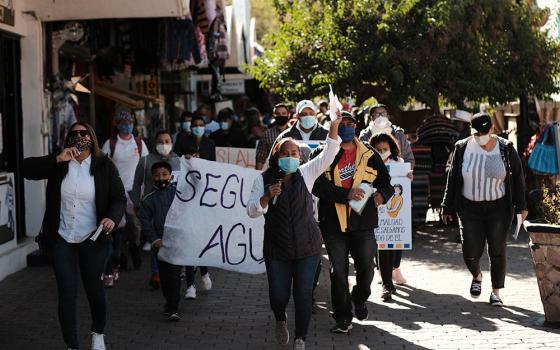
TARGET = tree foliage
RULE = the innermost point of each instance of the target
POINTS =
(397, 50)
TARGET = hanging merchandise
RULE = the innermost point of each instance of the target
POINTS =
(62, 113)
(199, 16)
(218, 52)
(544, 159)
(178, 44)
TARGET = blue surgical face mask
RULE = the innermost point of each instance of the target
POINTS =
(288, 165)
(186, 126)
(224, 126)
(198, 131)
(126, 128)
(346, 133)
(308, 121)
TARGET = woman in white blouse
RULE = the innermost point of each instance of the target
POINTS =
(485, 187)
(84, 194)
(292, 239)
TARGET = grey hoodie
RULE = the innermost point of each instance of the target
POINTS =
(143, 175)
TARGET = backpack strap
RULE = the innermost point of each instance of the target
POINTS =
(112, 145)
(139, 142)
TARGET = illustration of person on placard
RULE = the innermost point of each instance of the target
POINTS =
(394, 205)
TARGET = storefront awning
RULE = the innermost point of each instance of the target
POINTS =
(63, 10)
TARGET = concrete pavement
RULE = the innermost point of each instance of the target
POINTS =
(433, 311)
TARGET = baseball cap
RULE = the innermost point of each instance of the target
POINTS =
(305, 104)
(481, 123)
(348, 115)
(124, 115)
(462, 116)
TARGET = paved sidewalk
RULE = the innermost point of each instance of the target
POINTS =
(434, 311)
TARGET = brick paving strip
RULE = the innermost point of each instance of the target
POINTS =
(434, 311)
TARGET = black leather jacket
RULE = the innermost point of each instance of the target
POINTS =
(515, 179)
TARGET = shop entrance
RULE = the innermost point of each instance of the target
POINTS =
(12, 209)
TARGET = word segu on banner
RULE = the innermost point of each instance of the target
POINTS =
(207, 224)
(395, 217)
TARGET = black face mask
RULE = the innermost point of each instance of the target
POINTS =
(161, 184)
(81, 143)
(280, 120)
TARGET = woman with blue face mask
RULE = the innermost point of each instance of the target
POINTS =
(196, 144)
(292, 239)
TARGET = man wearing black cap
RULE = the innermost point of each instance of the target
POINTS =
(485, 188)
(345, 231)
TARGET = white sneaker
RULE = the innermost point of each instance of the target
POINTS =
(299, 344)
(206, 282)
(191, 293)
(398, 277)
(97, 341)
(147, 247)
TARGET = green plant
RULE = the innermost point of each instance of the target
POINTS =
(550, 205)
(397, 50)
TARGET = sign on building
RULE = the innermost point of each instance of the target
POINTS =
(7, 12)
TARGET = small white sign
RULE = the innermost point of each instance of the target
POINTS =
(233, 87)
(395, 217)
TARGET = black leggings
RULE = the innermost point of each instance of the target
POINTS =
(481, 223)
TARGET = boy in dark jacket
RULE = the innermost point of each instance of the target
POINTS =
(152, 217)
(345, 231)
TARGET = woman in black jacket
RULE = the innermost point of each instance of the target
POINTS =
(292, 239)
(84, 194)
(485, 187)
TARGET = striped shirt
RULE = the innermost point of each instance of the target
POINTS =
(265, 144)
(483, 173)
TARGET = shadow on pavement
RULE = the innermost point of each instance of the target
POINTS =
(437, 245)
(418, 306)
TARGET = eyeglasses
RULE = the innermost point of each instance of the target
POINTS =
(82, 133)
(375, 115)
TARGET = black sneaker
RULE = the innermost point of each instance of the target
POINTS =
(387, 293)
(495, 300)
(361, 311)
(174, 317)
(342, 327)
(476, 288)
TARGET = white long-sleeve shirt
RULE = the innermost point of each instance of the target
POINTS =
(78, 215)
(310, 171)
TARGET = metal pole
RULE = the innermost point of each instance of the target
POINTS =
(92, 96)
(523, 133)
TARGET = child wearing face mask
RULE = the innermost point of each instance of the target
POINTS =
(143, 183)
(152, 216)
(389, 260)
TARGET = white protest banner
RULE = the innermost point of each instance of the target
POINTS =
(395, 217)
(208, 225)
(244, 157)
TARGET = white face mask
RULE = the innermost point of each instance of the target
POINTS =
(164, 149)
(385, 155)
(482, 140)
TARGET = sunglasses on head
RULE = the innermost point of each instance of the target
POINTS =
(82, 133)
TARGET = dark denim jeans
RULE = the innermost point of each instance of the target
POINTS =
(280, 275)
(386, 263)
(115, 251)
(481, 223)
(170, 277)
(190, 271)
(362, 246)
(88, 260)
